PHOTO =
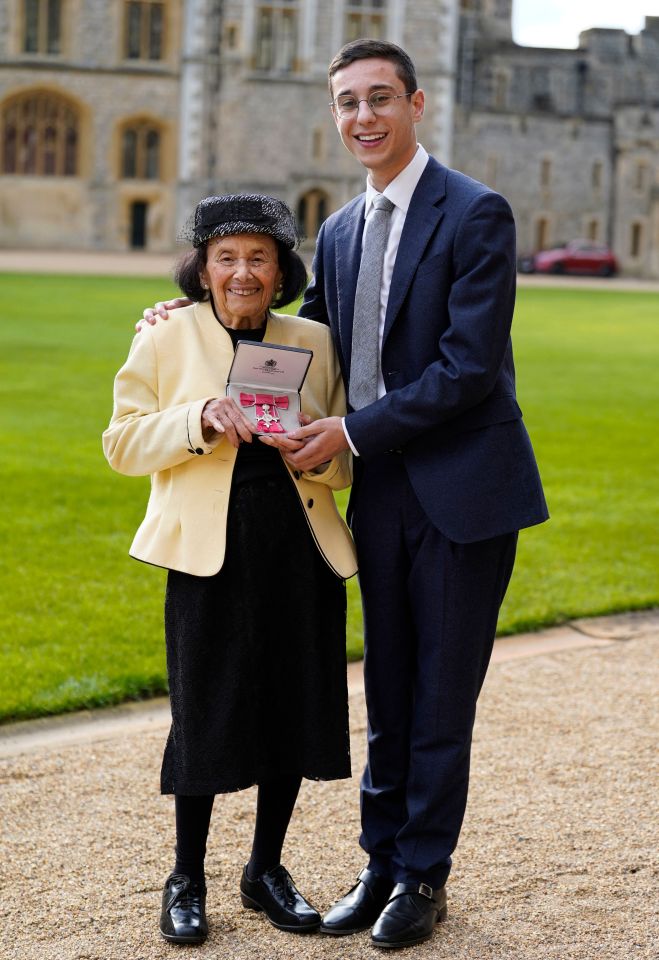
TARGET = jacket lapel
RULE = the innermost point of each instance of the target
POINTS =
(348, 251)
(217, 340)
(421, 222)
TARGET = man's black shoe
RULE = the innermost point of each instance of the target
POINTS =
(277, 896)
(183, 916)
(360, 907)
(410, 915)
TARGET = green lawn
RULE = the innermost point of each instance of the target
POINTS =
(81, 623)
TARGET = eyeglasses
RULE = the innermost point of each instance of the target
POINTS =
(378, 103)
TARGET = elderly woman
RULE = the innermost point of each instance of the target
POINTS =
(256, 552)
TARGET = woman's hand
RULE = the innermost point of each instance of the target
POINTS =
(151, 314)
(222, 415)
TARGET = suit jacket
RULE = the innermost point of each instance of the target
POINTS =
(172, 370)
(447, 361)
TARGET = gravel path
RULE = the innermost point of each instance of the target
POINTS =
(557, 857)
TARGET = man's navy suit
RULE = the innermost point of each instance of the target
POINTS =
(445, 478)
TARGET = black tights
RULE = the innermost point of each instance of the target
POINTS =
(274, 807)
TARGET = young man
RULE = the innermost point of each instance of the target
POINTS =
(444, 478)
(444, 473)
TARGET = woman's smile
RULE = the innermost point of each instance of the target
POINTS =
(242, 273)
(243, 292)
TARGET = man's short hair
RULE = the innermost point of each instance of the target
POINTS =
(367, 49)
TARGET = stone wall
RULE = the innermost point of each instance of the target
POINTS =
(569, 136)
(275, 131)
(636, 189)
(226, 126)
(93, 208)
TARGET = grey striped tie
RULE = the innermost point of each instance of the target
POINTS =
(365, 359)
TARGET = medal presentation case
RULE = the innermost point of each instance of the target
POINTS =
(265, 382)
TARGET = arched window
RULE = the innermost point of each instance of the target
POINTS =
(40, 135)
(42, 26)
(140, 151)
(312, 209)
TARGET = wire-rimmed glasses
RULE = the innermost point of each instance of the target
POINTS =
(378, 103)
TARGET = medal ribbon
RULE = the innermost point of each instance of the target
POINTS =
(266, 420)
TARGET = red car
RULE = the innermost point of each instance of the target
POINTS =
(577, 256)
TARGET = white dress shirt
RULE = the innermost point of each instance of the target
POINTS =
(399, 191)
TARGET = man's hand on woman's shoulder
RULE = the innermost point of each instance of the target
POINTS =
(160, 311)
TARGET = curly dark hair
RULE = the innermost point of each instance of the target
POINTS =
(187, 274)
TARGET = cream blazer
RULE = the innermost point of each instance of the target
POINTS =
(172, 370)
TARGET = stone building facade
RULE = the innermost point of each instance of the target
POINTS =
(264, 122)
(89, 121)
(117, 116)
(571, 137)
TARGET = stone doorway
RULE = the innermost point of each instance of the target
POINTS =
(138, 224)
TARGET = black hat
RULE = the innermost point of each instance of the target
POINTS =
(228, 215)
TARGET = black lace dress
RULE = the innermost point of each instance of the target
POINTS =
(256, 654)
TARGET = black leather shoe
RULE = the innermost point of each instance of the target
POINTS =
(410, 915)
(275, 893)
(183, 916)
(360, 907)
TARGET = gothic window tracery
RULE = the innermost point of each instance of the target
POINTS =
(40, 136)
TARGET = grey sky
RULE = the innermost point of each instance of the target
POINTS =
(557, 23)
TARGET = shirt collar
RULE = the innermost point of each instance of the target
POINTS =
(401, 188)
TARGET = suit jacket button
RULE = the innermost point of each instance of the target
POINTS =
(199, 451)
(310, 503)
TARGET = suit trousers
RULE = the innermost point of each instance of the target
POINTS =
(430, 614)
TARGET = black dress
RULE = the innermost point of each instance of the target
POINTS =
(256, 653)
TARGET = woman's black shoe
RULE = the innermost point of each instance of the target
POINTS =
(275, 893)
(183, 916)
